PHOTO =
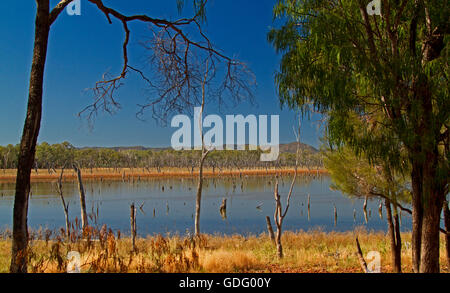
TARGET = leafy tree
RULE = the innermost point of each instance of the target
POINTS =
(357, 177)
(8, 156)
(390, 72)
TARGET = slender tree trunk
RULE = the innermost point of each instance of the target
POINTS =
(398, 242)
(204, 154)
(278, 217)
(396, 257)
(84, 217)
(59, 189)
(199, 197)
(66, 215)
(416, 180)
(447, 228)
(279, 214)
(29, 140)
(278, 242)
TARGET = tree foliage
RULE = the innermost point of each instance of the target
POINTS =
(359, 178)
(383, 82)
(65, 154)
(339, 61)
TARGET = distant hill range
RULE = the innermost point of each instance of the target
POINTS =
(284, 148)
(292, 148)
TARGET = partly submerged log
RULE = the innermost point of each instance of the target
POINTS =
(223, 209)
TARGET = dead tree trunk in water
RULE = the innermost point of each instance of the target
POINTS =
(278, 217)
(64, 204)
(309, 207)
(29, 139)
(365, 210)
(199, 193)
(279, 214)
(205, 153)
(223, 209)
(84, 217)
(335, 216)
(133, 226)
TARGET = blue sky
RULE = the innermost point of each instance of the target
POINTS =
(82, 48)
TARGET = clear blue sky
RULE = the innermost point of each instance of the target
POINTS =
(82, 48)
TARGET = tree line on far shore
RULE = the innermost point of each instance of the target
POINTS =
(64, 154)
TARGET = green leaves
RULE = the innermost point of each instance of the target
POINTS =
(372, 76)
(357, 177)
(199, 7)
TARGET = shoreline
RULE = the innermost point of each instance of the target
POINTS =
(127, 174)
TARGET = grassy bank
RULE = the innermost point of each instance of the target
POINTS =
(137, 173)
(305, 252)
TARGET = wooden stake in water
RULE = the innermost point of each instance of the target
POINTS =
(365, 210)
(309, 206)
(223, 209)
(335, 216)
(84, 217)
(380, 211)
(133, 226)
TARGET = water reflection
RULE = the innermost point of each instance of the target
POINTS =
(230, 205)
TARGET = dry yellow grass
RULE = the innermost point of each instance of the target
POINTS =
(310, 252)
(224, 261)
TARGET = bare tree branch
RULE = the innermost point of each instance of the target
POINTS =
(174, 80)
(58, 9)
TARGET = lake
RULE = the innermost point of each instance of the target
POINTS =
(249, 201)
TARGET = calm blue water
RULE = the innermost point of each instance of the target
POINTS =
(172, 210)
